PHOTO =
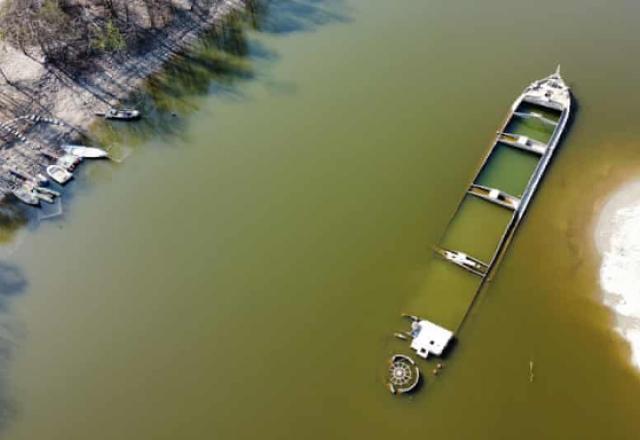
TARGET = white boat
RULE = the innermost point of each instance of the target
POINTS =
(44, 196)
(26, 195)
(84, 152)
(47, 191)
(59, 174)
(122, 114)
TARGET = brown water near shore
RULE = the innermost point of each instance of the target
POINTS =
(239, 276)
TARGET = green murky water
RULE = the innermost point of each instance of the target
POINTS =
(531, 128)
(476, 228)
(508, 169)
(239, 275)
(445, 295)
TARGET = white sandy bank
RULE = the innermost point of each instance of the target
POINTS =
(618, 240)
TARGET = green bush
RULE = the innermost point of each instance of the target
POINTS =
(109, 39)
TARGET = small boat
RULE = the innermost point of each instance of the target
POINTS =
(43, 196)
(59, 174)
(26, 195)
(48, 195)
(47, 191)
(84, 152)
(124, 114)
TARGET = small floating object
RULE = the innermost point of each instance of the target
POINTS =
(404, 374)
(124, 114)
(84, 152)
(59, 174)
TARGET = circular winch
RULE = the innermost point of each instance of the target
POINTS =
(403, 374)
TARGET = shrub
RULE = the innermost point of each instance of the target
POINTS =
(109, 39)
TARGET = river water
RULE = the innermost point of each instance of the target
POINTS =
(240, 274)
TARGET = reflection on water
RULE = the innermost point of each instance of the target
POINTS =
(13, 216)
(289, 16)
(12, 283)
(214, 66)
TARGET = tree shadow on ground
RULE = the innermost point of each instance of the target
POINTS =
(216, 65)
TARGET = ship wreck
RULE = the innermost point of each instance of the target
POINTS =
(530, 133)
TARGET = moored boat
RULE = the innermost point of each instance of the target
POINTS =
(59, 174)
(43, 196)
(120, 114)
(85, 152)
(48, 191)
(26, 195)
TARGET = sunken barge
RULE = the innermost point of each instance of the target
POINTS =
(532, 129)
